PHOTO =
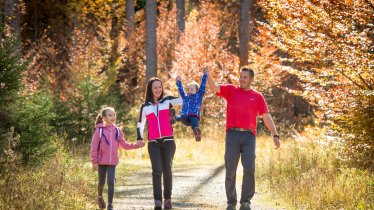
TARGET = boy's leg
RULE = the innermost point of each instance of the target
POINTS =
(184, 119)
(195, 127)
(110, 182)
(194, 121)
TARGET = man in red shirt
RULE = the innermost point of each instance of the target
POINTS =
(243, 106)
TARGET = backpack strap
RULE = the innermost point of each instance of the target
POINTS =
(100, 136)
(117, 134)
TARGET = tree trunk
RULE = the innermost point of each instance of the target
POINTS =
(130, 17)
(181, 13)
(244, 29)
(114, 33)
(12, 18)
(151, 38)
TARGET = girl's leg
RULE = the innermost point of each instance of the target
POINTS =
(110, 182)
(102, 175)
(168, 151)
(154, 151)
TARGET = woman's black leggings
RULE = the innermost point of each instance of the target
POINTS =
(161, 154)
(109, 173)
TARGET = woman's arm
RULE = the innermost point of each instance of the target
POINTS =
(126, 145)
(175, 101)
(141, 123)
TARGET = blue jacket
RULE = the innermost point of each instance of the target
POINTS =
(192, 103)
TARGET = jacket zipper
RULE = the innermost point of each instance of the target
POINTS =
(158, 121)
(110, 141)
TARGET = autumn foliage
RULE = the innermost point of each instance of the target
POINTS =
(311, 59)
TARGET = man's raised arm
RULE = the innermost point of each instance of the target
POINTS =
(212, 85)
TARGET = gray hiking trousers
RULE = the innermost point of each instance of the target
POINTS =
(240, 143)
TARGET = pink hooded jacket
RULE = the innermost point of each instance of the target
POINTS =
(108, 153)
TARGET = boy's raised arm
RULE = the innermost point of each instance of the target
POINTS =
(180, 87)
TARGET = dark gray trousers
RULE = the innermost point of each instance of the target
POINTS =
(162, 155)
(108, 173)
(240, 143)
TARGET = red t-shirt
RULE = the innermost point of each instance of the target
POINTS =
(243, 106)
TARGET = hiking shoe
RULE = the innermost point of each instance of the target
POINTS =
(167, 204)
(172, 116)
(110, 206)
(230, 207)
(197, 133)
(158, 205)
(245, 206)
(101, 202)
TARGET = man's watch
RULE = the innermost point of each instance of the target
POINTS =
(276, 136)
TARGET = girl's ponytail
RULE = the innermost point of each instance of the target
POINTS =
(99, 119)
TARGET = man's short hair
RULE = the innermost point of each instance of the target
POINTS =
(249, 70)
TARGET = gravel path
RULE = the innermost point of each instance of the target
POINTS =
(194, 187)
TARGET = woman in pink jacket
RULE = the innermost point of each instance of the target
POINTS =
(104, 152)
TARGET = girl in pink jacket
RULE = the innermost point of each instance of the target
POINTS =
(104, 152)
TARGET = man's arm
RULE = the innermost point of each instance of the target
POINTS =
(212, 85)
(270, 125)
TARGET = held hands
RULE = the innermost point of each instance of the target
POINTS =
(178, 78)
(95, 166)
(206, 70)
(140, 143)
(276, 141)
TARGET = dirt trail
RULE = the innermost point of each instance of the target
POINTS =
(194, 187)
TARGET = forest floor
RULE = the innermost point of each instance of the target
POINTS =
(195, 186)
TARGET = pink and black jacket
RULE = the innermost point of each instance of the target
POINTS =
(157, 116)
(105, 144)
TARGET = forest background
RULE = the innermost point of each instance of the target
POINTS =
(60, 61)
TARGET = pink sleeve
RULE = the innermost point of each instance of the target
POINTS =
(94, 146)
(224, 91)
(125, 145)
(262, 106)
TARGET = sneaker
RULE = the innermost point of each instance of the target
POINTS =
(101, 202)
(230, 207)
(245, 206)
(110, 206)
(167, 204)
(197, 133)
(172, 116)
(158, 205)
